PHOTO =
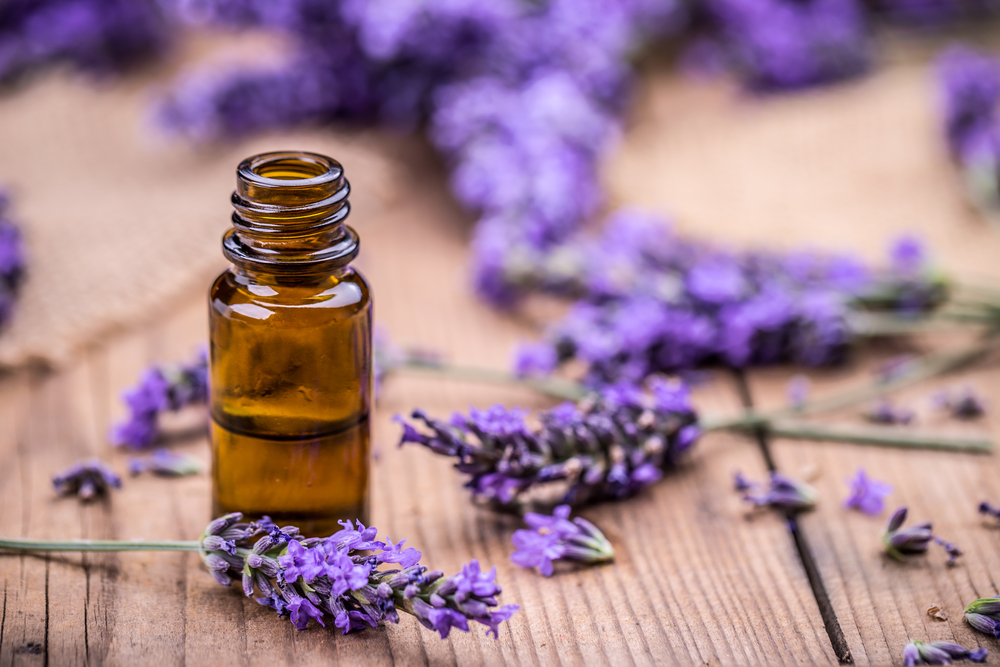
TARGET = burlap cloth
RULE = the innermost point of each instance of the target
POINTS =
(119, 225)
(119, 222)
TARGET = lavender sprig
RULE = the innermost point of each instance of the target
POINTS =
(608, 446)
(557, 537)
(338, 578)
(648, 301)
(902, 542)
(961, 403)
(940, 653)
(160, 389)
(87, 479)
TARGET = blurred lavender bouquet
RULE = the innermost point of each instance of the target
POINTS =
(11, 260)
(95, 36)
(969, 90)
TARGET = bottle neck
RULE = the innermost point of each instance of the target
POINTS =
(290, 209)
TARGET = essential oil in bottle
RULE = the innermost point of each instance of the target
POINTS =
(291, 350)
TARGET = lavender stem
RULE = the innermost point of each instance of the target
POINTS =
(885, 436)
(557, 388)
(21, 544)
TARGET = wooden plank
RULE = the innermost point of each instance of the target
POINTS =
(881, 604)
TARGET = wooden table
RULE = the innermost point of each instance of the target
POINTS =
(696, 579)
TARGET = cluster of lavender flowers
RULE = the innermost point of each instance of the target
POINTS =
(608, 446)
(648, 301)
(969, 85)
(901, 542)
(160, 389)
(86, 479)
(557, 537)
(96, 36)
(338, 578)
(11, 258)
(940, 653)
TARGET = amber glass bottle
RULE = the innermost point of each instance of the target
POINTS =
(291, 350)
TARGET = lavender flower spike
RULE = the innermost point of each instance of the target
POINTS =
(608, 446)
(782, 492)
(87, 479)
(901, 542)
(343, 578)
(557, 537)
(939, 653)
(867, 494)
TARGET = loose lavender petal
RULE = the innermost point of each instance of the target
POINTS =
(867, 494)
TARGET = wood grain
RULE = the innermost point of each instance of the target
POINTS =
(880, 603)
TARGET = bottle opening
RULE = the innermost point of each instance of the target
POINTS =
(290, 166)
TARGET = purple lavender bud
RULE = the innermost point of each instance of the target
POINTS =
(901, 542)
(217, 543)
(983, 623)
(911, 655)
(867, 494)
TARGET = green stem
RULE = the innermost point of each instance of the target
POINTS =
(555, 387)
(873, 324)
(16, 544)
(885, 436)
(929, 366)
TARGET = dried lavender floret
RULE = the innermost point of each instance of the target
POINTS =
(961, 403)
(884, 412)
(867, 494)
(87, 479)
(940, 653)
(901, 542)
(160, 389)
(782, 492)
(557, 537)
(338, 578)
(609, 446)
